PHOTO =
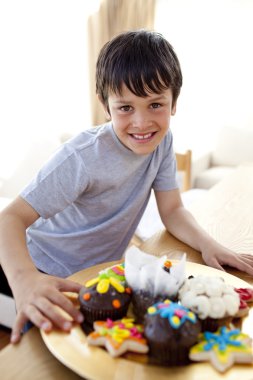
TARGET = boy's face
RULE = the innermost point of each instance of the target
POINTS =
(141, 123)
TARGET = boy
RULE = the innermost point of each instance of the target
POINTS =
(85, 203)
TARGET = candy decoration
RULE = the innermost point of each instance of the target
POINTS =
(103, 285)
(223, 348)
(246, 294)
(116, 304)
(113, 276)
(117, 285)
(86, 296)
(167, 265)
(118, 336)
(174, 312)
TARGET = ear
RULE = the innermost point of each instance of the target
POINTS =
(105, 107)
(174, 109)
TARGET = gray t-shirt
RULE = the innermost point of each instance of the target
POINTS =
(91, 195)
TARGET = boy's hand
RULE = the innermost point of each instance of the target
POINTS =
(218, 256)
(36, 296)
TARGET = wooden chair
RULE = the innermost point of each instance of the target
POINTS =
(184, 166)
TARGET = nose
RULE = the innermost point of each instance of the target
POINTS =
(141, 120)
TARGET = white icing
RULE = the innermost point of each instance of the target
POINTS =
(209, 297)
(145, 272)
(198, 304)
(232, 303)
(198, 286)
(217, 307)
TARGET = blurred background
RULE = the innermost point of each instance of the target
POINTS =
(48, 51)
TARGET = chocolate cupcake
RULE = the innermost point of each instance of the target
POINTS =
(152, 279)
(214, 302)
(106, 296)
(171, 330)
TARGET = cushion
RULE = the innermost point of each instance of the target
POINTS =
(234, 147)
(210, 177)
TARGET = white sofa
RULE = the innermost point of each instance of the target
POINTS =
(234, 146)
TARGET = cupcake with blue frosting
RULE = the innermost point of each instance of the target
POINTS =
(171, 330)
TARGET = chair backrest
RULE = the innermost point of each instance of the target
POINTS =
(184, 165)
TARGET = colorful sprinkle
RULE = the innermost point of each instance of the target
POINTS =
(116, 304)
(174, 312)
(113, 276)
(118, 336)
(103, 286)
(222, 339)
(92, 282)
(119, 270)
(222, 348)
(167, 265)
(117, 285)
(86, 296)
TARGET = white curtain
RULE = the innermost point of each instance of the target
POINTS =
(113, 17)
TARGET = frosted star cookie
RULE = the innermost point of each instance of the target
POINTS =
(223, 348)
(246, 297)
(246, 294)
(118, 337)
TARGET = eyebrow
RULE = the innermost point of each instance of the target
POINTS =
(156, 99)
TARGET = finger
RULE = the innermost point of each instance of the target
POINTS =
(59, 299)
(38, 318)
(239, 263)
(17, 328)
(64, 303)
(53, 314)
(247, 258)
(247, 255)
(68, 286)
(215, 264)
(247, 261)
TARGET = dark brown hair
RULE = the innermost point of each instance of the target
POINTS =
(143, 60)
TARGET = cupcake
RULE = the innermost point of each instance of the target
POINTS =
(171, 330)
(106, 296)
(214, 302)
(151, 279)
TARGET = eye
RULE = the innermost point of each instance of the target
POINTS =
(125, 108)
(155, 105)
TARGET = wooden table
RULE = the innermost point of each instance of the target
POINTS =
(226, 212)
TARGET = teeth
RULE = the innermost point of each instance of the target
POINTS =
(142, 137)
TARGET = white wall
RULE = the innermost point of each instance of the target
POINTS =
(43, 73)
(213, 40)
(44, 82)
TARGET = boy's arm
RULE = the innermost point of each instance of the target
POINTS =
(181, 223)
(35, 293)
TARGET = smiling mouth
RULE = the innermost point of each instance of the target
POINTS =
(142, 137)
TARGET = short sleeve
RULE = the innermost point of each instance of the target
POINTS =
(166, 178)
(59, 183)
